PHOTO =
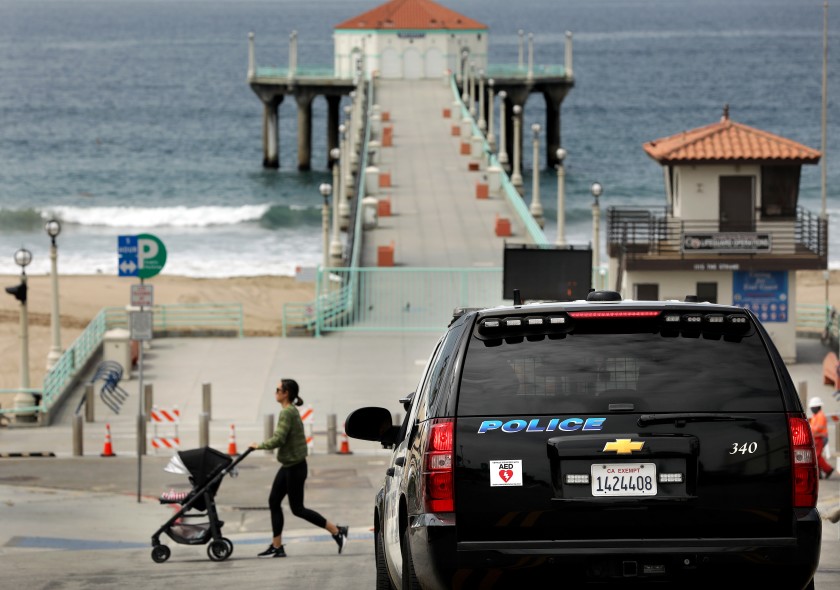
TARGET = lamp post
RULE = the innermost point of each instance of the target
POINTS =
(335, 242)
(503, 155)
(516, 176)
(23, 399)
(342, 193)
(53, 228)
(530, 56)
(561, 198)
(472, 88)
(596, 189)
(325, 190)
(482, 122)
(521, 44)
(536, 207)
(491, 103)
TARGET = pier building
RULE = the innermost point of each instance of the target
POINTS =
(731, 230)
(408, 40)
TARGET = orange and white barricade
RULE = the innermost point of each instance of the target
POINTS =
(308, 416)
(166, 418)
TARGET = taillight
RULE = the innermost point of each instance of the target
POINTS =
(805, 485)
(438, 474)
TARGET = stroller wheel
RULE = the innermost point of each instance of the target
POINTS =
(160, 553)
(229, 544)
(219, 549)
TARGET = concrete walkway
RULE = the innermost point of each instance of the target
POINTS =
(436, 221)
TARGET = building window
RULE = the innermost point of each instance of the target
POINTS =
(779, 191)
(646, 291)
(707, 292)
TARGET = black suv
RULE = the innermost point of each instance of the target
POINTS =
(601, 441)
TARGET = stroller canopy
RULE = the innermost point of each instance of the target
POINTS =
(204, 463)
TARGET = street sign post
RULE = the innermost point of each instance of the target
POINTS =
(142, 256)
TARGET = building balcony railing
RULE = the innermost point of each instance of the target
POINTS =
(644, 238)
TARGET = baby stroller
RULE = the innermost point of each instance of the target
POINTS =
(206, 468)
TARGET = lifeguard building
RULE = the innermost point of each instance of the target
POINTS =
(409, 39)
(731, 230)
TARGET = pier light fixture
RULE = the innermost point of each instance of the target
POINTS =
(536, 207)
(491, 104)
(335, 241)
(516, 175)
(482, 119)
(503, 155)
(53, 228)
(561, 198)
(596, 190)
(325, 189)
(22, 399)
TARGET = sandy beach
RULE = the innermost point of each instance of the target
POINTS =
(262, 298)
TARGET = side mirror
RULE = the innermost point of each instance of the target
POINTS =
(372, 423)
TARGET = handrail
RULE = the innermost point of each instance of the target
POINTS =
(513, 197)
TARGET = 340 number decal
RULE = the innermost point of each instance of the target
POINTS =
(743, 448)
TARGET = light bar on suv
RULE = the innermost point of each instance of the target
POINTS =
(690, 324)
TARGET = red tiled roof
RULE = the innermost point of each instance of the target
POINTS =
(728, 141)
(411, 14)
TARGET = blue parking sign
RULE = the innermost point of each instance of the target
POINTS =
(127, 252)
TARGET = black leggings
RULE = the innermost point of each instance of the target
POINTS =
(290, 480)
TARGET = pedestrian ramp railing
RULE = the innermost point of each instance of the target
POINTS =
(182, 319)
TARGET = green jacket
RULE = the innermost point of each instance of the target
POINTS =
(288, 438)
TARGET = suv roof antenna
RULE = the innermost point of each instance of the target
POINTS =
(517, 297)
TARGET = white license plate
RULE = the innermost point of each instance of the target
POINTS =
(623, 479)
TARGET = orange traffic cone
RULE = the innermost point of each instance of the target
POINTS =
(345, 447)
(107, 449)
(232, 442)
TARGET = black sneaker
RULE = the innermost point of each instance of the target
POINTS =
(340, 537)
(273, 551)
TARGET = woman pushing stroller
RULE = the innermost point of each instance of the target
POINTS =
(290, 441)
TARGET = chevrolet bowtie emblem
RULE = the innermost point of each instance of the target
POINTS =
(623, 446)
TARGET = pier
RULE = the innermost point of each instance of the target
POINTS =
(514, 82)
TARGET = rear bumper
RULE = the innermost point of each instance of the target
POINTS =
(781, 562)
(787, 562)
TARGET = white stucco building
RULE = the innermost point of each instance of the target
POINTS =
(409, 39)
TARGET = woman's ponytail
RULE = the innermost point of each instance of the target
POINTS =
(292, 388)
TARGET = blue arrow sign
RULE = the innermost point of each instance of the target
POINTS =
(127, 252)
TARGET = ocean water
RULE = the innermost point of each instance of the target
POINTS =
(134, 116)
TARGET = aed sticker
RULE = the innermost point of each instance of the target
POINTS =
(506, 473)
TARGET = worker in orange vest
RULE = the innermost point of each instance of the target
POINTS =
(819, 428)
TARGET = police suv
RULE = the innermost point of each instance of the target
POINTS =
(601, 442)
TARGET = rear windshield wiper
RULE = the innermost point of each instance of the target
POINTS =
(646, 419)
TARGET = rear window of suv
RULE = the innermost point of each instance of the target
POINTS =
(586, 372)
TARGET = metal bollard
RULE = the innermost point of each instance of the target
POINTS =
(268, 429)
(206, 401)
(78, 436)
(204, 429)
(148, 398)
(331, 434)
(89, 402)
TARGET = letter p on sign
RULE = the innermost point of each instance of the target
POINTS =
(151, 256)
